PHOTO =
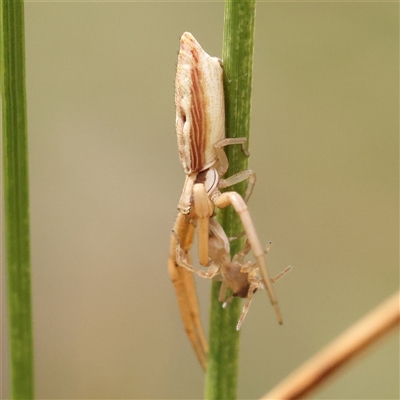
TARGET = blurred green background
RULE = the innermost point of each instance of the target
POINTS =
(105, 181)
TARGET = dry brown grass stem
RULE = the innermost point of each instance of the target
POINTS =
(337, 354)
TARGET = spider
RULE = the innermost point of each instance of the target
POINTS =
(200, 127)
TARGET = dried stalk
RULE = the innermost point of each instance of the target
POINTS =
(334, 356)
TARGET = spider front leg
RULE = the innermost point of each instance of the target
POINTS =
(232, 198)
(185, 288)
(203, 210)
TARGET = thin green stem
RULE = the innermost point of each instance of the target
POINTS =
(16, 196)
(237, 56)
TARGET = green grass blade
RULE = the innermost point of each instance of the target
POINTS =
(237, 55)
(16, 196)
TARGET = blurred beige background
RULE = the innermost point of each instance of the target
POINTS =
(105, 181)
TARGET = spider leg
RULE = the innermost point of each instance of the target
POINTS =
(241, 176)
(185, 289)
(248, 175)
(222, 158)
(203, 214)
(284, 272)
(184, 201)
(239, 257)
(253, 287)
(222, 292)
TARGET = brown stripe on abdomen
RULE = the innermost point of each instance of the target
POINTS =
(198, 110)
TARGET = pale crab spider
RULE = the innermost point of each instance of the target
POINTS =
(200, 127)
(241, 277)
